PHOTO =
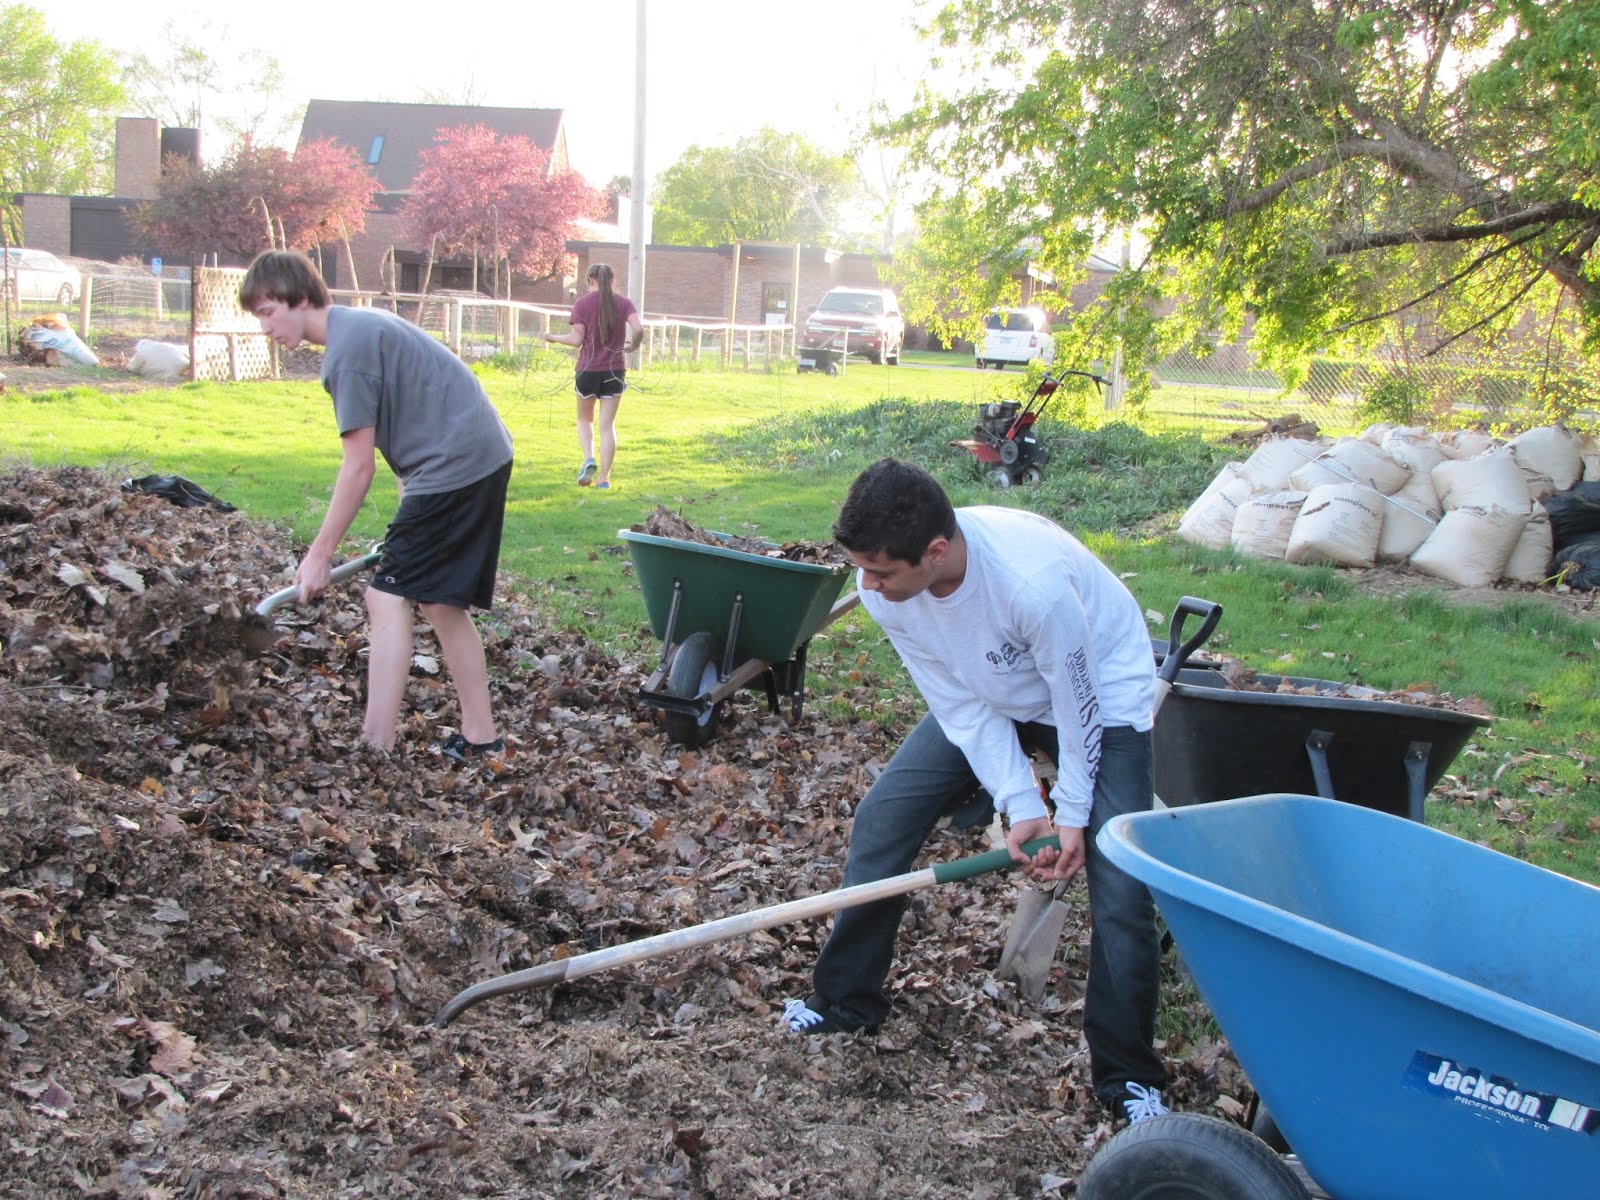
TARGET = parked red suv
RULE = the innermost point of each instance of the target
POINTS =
(865, 321)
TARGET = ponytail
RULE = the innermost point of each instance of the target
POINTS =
(606, 326)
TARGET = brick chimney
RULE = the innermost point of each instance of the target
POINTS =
(138, 158)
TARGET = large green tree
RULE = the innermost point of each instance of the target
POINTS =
(1335, 167)
(58, 105)
(185, 85)
(767, 187)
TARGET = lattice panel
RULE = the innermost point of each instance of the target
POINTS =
(233, 356)
(228, 342)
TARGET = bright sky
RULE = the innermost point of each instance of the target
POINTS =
(715, 69)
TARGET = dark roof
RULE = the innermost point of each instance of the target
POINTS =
(408, 129)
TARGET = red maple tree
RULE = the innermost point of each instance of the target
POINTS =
(261, 197)
(493, 196)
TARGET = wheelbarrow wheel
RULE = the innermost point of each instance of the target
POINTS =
(693, 671)
(1188, 1156)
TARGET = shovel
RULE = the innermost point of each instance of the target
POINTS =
(343, 571)
(1030, 949)
(577, 967)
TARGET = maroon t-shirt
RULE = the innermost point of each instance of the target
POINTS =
(592, 356)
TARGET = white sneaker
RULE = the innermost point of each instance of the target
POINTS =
(798, 1017)
(1143, 1103)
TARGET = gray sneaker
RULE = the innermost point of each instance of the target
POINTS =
(587, 472)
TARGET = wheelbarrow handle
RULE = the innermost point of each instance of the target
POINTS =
(1178, 651)
(342, 572)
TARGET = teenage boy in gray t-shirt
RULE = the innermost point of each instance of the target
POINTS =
(401, 393)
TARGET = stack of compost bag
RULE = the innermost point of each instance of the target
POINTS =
(1462, 506)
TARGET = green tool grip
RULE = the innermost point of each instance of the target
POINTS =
(982, 864)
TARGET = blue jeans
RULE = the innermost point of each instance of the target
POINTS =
(927, 778)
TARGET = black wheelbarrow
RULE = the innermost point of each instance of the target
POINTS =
(1336, 741)
(729, 619)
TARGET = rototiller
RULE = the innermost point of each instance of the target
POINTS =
(1004, 439)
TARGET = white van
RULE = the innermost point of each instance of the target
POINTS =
(1014, 335)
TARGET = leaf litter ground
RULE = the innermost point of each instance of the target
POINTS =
(225, 927)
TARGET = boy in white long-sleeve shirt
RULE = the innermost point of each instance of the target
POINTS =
(1019, 640)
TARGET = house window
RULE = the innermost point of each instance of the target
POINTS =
(376, 152)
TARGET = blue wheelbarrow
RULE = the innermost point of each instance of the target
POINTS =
(1419, 1013)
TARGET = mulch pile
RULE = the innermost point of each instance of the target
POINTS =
(1241, 678)
(663, 522)
(225, 927)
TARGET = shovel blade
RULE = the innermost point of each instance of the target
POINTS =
(1030, 949)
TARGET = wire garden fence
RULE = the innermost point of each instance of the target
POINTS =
(1214, 395)
(1229, 392)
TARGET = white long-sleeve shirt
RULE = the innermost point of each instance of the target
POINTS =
(1038, 630)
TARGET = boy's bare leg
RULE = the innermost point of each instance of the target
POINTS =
(463, 654)
(388, 664)
(608, 436)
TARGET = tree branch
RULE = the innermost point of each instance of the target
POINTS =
(1538, 214)
(1470, 269)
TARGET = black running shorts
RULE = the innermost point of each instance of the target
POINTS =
(444, 547)
(602, 383)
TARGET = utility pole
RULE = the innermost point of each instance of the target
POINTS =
(640, 186)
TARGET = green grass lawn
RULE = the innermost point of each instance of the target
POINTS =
(771, 454)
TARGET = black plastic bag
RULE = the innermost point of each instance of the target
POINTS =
(1581, 560)
(183, 492)
(1574, 512)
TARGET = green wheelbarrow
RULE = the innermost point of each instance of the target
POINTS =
(728, 619)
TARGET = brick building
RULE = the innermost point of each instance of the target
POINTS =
(97, 227)
(701, 281)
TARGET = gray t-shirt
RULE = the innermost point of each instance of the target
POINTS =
(431, 419)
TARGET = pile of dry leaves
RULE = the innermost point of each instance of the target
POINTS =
(225, 928)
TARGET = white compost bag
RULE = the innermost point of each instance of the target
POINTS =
(1550, 456)
(1408, 518)
(158, 360)
(1466, 443)
(1262, 526)
(1274, 460)
(1209, 520)
(1590, 451)
(1492, 480)
(1471, 546)
(1413, 448)
(1530, 557)
(1352, 460)
(1339, 523)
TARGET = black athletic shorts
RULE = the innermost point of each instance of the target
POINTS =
(444, 547)
(602, 383)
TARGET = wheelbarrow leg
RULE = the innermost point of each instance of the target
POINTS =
(1317, 751)
(1417, 778)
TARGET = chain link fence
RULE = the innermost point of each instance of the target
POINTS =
(1229, 392)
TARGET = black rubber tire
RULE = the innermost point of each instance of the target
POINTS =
(831, 369)
(979, 363)
(1265, 1128)
(1032, 475)
(1000, 477)
(1188, 1156)
(64, 296)
(694, 669)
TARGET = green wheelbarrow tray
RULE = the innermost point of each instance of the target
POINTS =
(728, 618)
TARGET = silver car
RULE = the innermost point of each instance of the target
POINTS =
(40, 275)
